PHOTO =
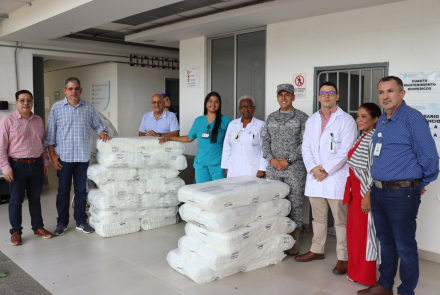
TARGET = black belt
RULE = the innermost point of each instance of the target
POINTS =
(27, 160)
(396, 184)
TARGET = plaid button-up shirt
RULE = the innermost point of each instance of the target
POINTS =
(68, 130)
(22, 139)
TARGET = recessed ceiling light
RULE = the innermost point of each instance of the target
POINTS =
(149, 40)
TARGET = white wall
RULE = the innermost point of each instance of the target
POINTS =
(54, 81)
(136, 86)
(192, 55)
(405, 34)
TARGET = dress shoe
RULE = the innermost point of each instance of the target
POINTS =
(309, 256)
(16, 239)
(376, 289)
(41, 232)
(295, 249)
(340, 268)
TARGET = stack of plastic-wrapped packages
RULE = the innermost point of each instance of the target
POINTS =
(233, 224)
(137, 185)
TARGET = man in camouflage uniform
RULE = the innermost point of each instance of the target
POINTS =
(282, 140)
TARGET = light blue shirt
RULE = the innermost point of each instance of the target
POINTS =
(166, 123)
(208, 154)
(68, 130)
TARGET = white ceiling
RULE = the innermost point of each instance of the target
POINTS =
(7, 6)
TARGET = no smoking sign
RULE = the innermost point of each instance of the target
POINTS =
(299, 82)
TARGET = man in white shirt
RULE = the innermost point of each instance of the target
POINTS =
(242, 154)
(329, 135)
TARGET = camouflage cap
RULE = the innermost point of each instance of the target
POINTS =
(286, 87)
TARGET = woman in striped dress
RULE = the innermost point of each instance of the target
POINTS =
(362, 245)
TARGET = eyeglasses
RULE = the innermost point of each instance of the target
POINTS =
(22, 101)
(246, 107)
(71, 89)
(157, 102)
(330, 93)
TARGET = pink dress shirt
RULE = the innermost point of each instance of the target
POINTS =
(22, 139)
(324, 121)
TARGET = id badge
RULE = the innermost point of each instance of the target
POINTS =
(377, 149)
(205, 135)
(331, 147)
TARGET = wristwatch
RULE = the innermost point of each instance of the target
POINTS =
(160, 134)
(289, 161)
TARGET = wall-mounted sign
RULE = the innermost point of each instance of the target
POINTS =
(46, 102)
(56, 95)
(431, 111)
(421, 81)
(299, 83)
(191, 78)
(101, 95)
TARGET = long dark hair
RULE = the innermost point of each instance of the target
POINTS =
(218, 116)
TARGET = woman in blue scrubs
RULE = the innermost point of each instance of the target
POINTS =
(210, 131)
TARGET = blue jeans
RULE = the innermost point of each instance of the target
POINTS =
(395, 213)
(27, 177)
(78, 171)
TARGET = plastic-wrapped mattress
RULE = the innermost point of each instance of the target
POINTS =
(115, 228)
(201, 274)
(227, 193)
(233, 218)
(157, 222)
(218, 259)
(138, 160)
(158, 200)
(238, 238)
(168, 186)
(101, 175)
(101, 201)
(119, 215)
(144, 144)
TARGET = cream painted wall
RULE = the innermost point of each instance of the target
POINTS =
(192, 55)
(54, 81)
(136, 86)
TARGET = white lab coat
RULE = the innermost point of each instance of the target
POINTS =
(315, 153)
(243, 156)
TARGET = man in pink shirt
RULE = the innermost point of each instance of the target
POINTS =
(24, 162)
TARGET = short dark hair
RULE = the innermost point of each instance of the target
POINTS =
(372, 108)
(389, 78)
(328, 83)
(23, 92)
(73, 80)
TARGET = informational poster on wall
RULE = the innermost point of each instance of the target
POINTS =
(46, 102)
(431, 111)
(101, 95)
(299, 83)
(191, 78)
(421, 82)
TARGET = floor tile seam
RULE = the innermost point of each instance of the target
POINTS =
(178, 289)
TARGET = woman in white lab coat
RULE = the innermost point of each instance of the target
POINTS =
(242, 154)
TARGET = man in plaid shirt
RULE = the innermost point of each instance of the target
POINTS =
(24, 162)
(68, 141)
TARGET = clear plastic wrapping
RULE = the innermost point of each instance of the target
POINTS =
(219, 259)
(138, 160)
(143, 187)
(107, 230)
(157, 222)
(120, 215)
(233, 218)
(227, 193)
(144, 144)
(238, 238)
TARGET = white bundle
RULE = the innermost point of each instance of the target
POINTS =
(145, 187)
(101, 175)
(137, 160)
(233, 218)
(116, 228)
(119, 215)
(144, 144)
(227, 193)
(101, 201)
(94, 136)
(163, 212)
(201, 274)
(237, 239)
(219, 259)
(158, 200)
(157, 222)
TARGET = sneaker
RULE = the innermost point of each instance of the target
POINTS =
(85, 227)
(60, 230)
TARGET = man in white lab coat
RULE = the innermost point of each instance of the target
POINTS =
(329, 135)
(242, 154)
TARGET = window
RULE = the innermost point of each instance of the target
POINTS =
(237, 67)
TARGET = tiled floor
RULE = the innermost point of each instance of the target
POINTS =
(77, 263)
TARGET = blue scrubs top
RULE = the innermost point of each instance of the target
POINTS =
(208, 154)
